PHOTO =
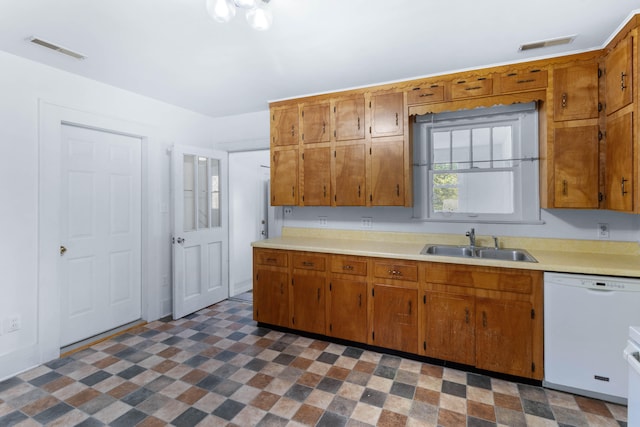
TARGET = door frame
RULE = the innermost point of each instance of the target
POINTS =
(51, 118)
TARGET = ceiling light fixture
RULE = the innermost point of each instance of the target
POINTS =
(258, 14)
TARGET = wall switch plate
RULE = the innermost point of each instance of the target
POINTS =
(322, 220)
(366, 222)
(288, 211)
(603, 231)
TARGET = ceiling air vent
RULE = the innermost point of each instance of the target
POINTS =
(546, 43)
(57, 48)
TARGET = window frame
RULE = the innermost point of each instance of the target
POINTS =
(525, 161)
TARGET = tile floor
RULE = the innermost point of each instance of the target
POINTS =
(217, 368)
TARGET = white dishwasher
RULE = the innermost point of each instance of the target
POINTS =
(586, 323)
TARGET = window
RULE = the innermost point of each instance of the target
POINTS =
(477, 165)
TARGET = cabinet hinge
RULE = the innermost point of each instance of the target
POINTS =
(373, 292)
(334, 133)
(533, 367)
(369, 129)
(335, 198)
(600, 197)
(330, 287)
(370, 152)
(257, 277)
(334, 108)
(293, 320)
(292, 282)
(369, 104)
(600, 135)
(330, 327)
(600, 72)
(303, 114)
(424, 345)
(303, 198)
(373, 335)
(599, 107)
(257, 313)
(533, 313)
(424, 299)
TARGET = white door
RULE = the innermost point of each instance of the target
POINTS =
(200, 229)
(100, 260)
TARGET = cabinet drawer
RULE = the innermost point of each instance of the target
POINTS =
(354, 266)
(497, 279)
(517, 81)
(425, 95)
(396, 270)
(273, 258)
(467, 88)
(309, 262)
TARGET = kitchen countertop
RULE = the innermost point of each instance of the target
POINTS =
(560, 255)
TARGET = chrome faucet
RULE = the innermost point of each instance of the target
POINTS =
(471, 234)
(496, 246)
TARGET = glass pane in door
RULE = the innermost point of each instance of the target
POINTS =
(215, 193)
(203, 208)
(189, 192)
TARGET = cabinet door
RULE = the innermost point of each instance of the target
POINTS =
(348, 309)
(395, 318)
(575, 160)
(284, 126)
(271, 297)
(349, 175)
(575, 92)
(619, 180)
(315, 123)
(316, 164)
(618, 72)
(387, 173)
(284, 177)
(308, 310)
(449, 322)
(387, 114)
(349, 115)
(504, 336)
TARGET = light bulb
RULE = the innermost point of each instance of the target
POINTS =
(245, 4)
(260, 18)
(221, 10)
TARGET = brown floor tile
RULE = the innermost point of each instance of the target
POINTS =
(194, 377)
(192, 395)
(39, 405)
(301, 363)
(448, 418)
(165, 366)
(83, 397)
(264, 342)
(391, 419)
(107, 361)
(265, 400)
(593, 406)
(338, 373)
(309, 379)
(367, 367)
(507, 401)
(116, 348)
(169, 352)
(212, 339)
(308, 415)
(260, 381)
(123, 389)
(427, 396)
(481, 410)
(319, 345)
(57, 384)
(431, 370)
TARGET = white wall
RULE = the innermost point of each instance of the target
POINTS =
(246, 178)
(24, 86)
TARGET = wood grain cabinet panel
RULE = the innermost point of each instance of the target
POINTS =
(315, 126)
(470, 87)
(576, 165)
(387, 114)
(316, 176)
(387, 173)
(284, 177)
(619, 76)
(349, 118)
(619, 179)
(284, 126)
(271, 297)
(347, 308)
(522, 80)
(395, 317)
(575, 91)
(425, 95)
(349, 178)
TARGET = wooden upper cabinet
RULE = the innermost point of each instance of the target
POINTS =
(470, 87)
(387, 173)
(316, 176)
(575, 160)
(575, 92)
(619, 180)
(349, 118)
(425, 94)
(315, 126)
(284, 177)
(521, 80)
(387, 114)
(284, 126)
(349, 177)
(619, 76)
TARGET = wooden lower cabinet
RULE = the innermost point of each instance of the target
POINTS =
(487, 317)
(449, 322)
(504, 336)
(395, 317)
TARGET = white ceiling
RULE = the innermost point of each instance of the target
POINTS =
(173, 51)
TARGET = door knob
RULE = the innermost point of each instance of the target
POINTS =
(62, 250)
(180, 240)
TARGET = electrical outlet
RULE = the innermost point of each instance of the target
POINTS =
(603, 231)
(12, 324)
(322, 220)
(288, 211)
(366, 222)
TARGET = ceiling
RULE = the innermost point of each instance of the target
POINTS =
(171, 50)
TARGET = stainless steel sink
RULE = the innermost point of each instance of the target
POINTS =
(478, 252)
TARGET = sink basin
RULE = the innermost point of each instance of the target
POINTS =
(505, 254)
(446, 250)
(478, 252)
